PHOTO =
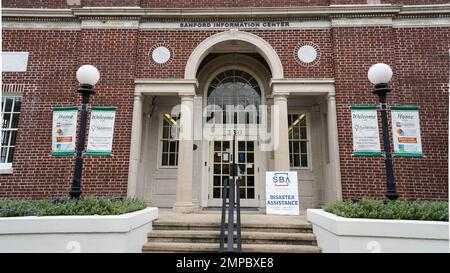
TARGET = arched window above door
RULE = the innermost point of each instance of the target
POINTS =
(237, 90)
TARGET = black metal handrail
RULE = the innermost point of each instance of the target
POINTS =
(238, 215)
(222, 223)
(232, 187)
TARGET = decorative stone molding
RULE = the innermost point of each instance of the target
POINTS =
(262, 47)
(110, 24)
(421, 22)
(46, 13)
(158, 54)
(242, 12)
(307, 54)
(54, 25)
(166, 86)
(334, 11)
(361, 22)
(339, 15)
(303, 86)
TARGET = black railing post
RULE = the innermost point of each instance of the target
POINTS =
(238, 215)
(381, 90)
(230, 235)
(222, 224)
(86, 90)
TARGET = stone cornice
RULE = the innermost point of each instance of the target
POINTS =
(333, 11)
(425, 9)
(302, 86)
(165, 86)
(36, 13)
(322, 11)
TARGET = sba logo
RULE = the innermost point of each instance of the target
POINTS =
(281, 179)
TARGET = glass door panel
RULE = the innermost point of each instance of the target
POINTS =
(245, 160)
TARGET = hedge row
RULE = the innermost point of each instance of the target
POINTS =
(400, 210)
(84, 206)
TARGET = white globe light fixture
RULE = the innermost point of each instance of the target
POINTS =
(88, 74)
(379, 73)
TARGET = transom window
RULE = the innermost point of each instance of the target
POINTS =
(237, 96)
(10, 111)
(169, 142)
(298, 140)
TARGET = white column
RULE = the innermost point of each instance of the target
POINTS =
(333, 147)
(135, 148)
(185, 156)
(280, 132)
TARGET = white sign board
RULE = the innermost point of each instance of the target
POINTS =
(406, 131)
(366, 136)
(101, 130)
(282, 193)
(64, 130)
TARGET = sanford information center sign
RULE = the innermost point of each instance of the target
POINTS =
(234, 24)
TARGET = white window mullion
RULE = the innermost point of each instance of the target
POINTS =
(170, 143)
(298, 121)
(10, 144)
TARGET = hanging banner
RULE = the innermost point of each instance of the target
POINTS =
(64, 130)
(366, 137)
(282, 193)
(406, 131)
(101, 130)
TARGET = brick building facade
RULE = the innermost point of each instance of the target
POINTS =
(347, 36)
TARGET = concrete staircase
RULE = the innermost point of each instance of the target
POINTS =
(257, 236)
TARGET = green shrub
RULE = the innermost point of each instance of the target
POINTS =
(84, 206)
(376, 209)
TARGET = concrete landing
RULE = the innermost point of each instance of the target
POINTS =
(246, 217)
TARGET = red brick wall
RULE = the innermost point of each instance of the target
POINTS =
(418, 56)
(54, 58)
(182, 43)
(113, 52)
(422, 74)
(419, 59)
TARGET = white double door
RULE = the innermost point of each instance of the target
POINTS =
(246, 157)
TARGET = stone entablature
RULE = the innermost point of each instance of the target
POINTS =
(199, 14)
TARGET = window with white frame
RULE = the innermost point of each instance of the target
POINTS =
(169, 141)
(10, 111)
(298, 140)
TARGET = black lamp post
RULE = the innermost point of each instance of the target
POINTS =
(379, 75)
(88, 76)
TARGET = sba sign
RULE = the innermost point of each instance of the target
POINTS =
(281, 179)
(282, 193)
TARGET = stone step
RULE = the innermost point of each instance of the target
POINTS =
(247, 227)
(165, 247)
(252, 237)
